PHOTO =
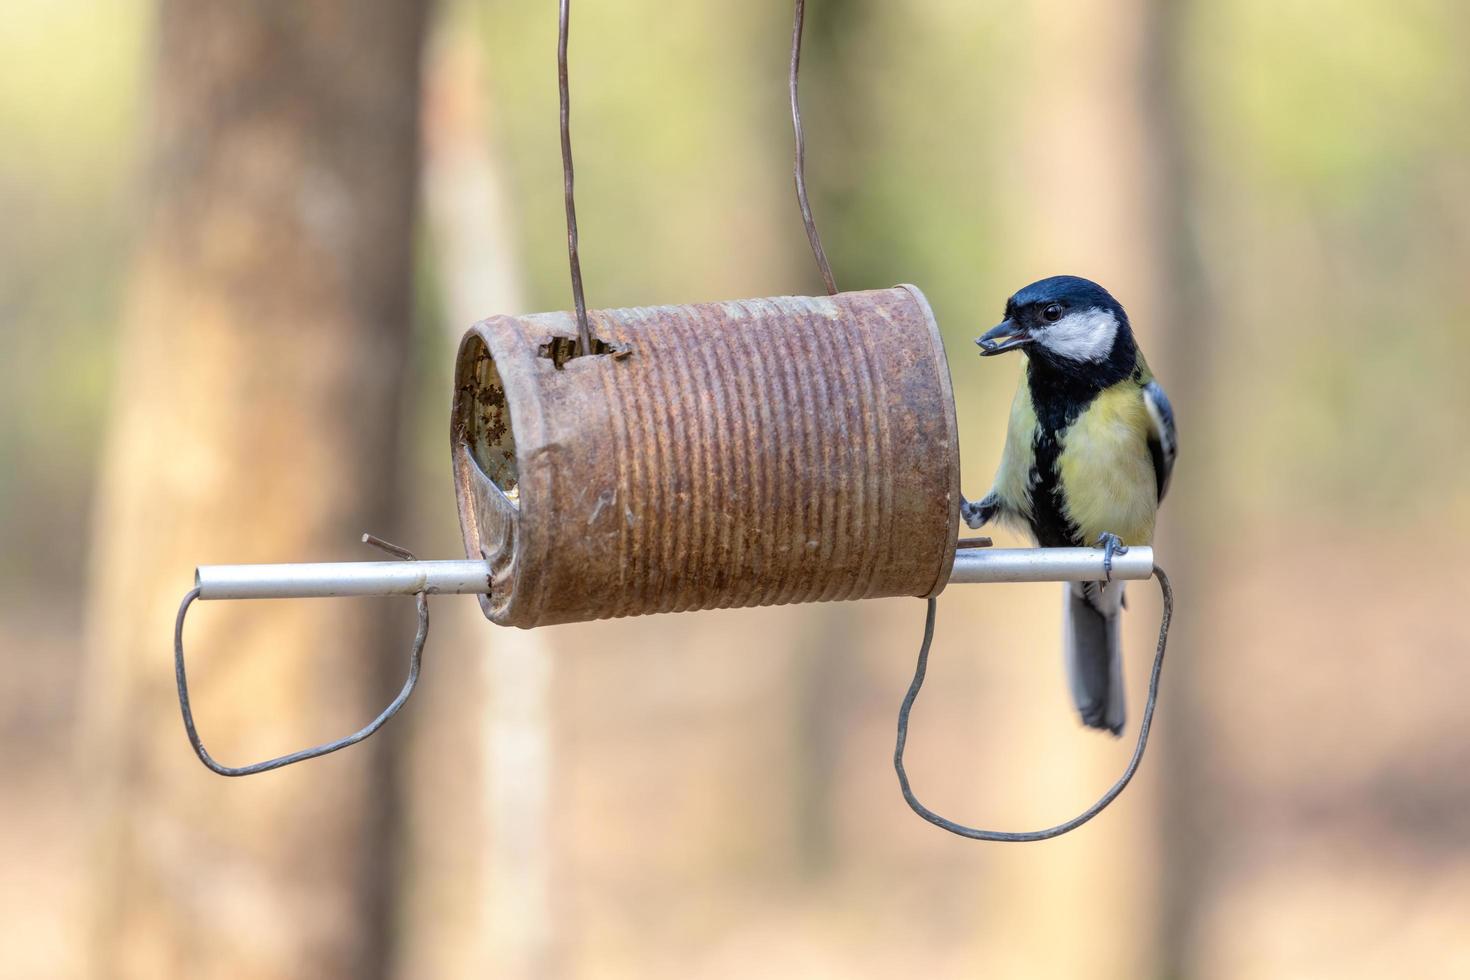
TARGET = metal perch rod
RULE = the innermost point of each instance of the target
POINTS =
(307, 580)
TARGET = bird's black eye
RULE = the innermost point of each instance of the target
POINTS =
(1052, 313)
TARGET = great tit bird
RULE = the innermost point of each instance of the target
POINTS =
(1087, 460)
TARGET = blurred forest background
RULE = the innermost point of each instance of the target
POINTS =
(240, 242)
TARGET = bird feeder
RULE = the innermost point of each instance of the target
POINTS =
(677, 458)
(715, 455)
(747, 453)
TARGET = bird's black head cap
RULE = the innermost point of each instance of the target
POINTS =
(1072, 293)
(1069, 327)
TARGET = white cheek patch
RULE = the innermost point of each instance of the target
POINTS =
(1083, 336)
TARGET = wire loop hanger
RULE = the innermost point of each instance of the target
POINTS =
(415, 658)
(587, 342)
(568, 182)
(974, 833)
(799, 165)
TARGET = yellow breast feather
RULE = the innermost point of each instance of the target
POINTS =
(1105, 469)
(1013, 479)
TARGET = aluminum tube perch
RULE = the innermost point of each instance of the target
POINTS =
(309, 580)
(975, 565)
(305, 580)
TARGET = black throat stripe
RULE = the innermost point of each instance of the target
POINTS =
(1058, 397)
(1049, 521)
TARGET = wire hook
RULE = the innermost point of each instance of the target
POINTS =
(975, 833)
(798, 166)
(415, 659)
(568, 180)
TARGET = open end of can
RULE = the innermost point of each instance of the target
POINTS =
(491, 485)
(485, 426)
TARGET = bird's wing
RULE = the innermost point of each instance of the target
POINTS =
(1163, 443)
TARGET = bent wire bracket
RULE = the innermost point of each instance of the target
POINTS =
(414, 661)
(975, 833)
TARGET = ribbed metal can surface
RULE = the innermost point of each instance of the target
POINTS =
(745, 453)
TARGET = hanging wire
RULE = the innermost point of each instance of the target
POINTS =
(799, 167)
(415, 659)
(1033, 835)
(568, 180)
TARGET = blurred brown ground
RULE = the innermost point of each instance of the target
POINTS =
(1279, 196)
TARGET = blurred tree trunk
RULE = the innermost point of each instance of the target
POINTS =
(1187, 363)
(1088, 165)
(478, 891)
(255, 418)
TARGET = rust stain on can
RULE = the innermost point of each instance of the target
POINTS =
(746, 453)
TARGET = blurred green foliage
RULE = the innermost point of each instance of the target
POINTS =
(1334, 151)
(70, 118)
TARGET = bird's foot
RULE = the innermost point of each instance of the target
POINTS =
(977, 515)
(1111, 545)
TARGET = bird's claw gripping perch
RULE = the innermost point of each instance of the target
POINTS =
(1111, 545)
(977, 515)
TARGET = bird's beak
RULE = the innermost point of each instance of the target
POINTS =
(1004, 336)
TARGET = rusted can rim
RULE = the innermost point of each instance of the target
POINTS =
(951, 427)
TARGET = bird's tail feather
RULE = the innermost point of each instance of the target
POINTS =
(1094, 653)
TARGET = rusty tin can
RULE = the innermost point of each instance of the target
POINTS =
(746, 453)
